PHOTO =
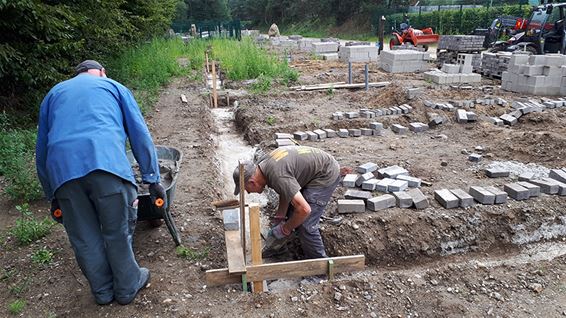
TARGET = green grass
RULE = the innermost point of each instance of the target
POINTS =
(16, 307)
(28, 229)
(190, 254)
(42, 256)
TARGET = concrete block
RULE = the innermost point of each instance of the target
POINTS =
(338, 116)
(461, 116)
(383, 185)
(399, 129)
(330, 133)
(283, 136)
(517, 113)
(558, 175)
(464, 199)
(312, 136)
(418, 127)
(496, 121)
(300, 135)
(343, 133)
(496, 172)
(321, 133)
(351, 206)
(420, 201)
(367, 167)
(397, 186)
(231, 218)
(370, 184)
(376, 126)
(392, 172)
(354, 132)
(349, 180)
(404, 200)
(472, 117)
(364, 177)
(500, 196)
(381, 202)
(516, 191)
(526, 176)
(534, 190)
(446, 198)
(412, 181)
(329, 56)
(508, 119)
(366, 131)
(284, 142)
(481, 195)
(474, 157)
(546, 186)
(561, 186)
(357, 195)
(351, 115)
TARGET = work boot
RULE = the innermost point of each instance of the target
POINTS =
(144, 279)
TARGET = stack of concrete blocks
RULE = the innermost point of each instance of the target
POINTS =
(494, 64)
(305, 44)
(526, 107)
(358, 54)
(328, 50)
(408, 46)
(461, 43)
(455, 73)
(283, 139)
(404, 61)
(536, 74)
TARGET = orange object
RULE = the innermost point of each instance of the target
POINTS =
(159, 202)
(415, 37)
(58, 213)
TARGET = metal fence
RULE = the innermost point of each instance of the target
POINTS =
(210, 29)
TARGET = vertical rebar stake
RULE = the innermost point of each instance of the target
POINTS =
(367, 77)
(349, 72)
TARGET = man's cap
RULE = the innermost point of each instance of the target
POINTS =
(87, 65)
(249, 170)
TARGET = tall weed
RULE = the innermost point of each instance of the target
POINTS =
(28, 229)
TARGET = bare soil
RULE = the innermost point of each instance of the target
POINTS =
(485, 261)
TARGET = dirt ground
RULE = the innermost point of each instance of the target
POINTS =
(485, 261)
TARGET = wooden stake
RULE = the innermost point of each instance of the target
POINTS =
(243, 209)
(214, 92)
(206, 55)
(227, 99)
(255, 238)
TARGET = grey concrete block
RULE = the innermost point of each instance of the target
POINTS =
(351, 115)
(534, 190)
(526, 176)
(496, 121)
(321, 133)
(446, 198)
(548, 187)
(397, 186)
(312, 136)
(376, 126)
(231, 218)
(349, 180)
(481, 195)
(283, 136)
(338, 116)
(284, 142)
(561, 186)
(413, 182)
(474, 157)
(383, 184)
(500, 195)
(418, 127)
(351, 206)
(464, 199)
(366, 131)
(461, 116)
(300, 135)
(404, 200)
(516, 191)
(508, 119)
(381, 202)
(357, 195)
(392, 172)
(364, 177)
(558, 175)
(496, 172)
(399, 129)
(354, 132)
(370, 184)
(330, 133)
(343, 133)
(420, 201)
(367, 167)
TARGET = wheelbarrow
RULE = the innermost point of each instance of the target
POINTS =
(169, 163)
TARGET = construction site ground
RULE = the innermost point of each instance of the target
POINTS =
(504, 260)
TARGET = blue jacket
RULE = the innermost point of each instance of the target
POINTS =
(83, 126)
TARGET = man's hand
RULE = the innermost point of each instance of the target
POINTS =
(156, 191)
(275, 220)
(55, 211)
(279, 231)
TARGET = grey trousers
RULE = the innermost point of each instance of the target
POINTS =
(309, 232)
(99, 219)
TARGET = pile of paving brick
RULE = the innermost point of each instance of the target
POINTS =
(494, 64)
(358, 53)
(536, 74)
(399, 188)
(371, 113)
(523, 108)
(404, 61)
(461, 43)
(462, 72)
(554, 184)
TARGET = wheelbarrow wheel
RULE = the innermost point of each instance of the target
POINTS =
(172, 228)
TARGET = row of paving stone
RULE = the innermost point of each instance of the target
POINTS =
(527, 107)
(402, 195)
(371, 113)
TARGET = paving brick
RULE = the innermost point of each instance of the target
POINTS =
(500, 195)
(376, 126)
(284, 142)
(338, 116)
(420, 201)
(418, 127)
(398, 185)
(526, 176)
(561, 186)
(481, 195)
(383, 184)
(474, 157)
(283, 136)
(558, 175)
(364, 177)
(367, 167)
(312, 136)
(516, 191)
(548, 187)
(404, 200)
(461, 116)
(508, 119)
(343, 133)
(496, 172)
(370, 184)
(300, 135)
(330, 133)
(349, 180)
(496, 121)
(354, 132)
(321, 133)
(392, 171)
(351, 115)
(381, 202)
(464, 199)
(413, 182)
(446, 198)
(231, 218)
(357, 194)
(351, 206)
(399, 129)
(366, 131)
(534, 190)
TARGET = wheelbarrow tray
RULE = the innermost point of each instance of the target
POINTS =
(147, 210)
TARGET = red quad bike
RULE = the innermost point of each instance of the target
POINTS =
(415, 37)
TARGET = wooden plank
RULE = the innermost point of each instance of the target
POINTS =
(292, 269)
(234, 253)
(255, 238)
(337, 86)
(184, 98)
(299, 86)
(242, 210)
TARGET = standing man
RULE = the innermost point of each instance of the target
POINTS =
(305, 179)
(82, 165)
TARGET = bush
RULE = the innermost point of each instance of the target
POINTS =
(28, 229)
(262, 84)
